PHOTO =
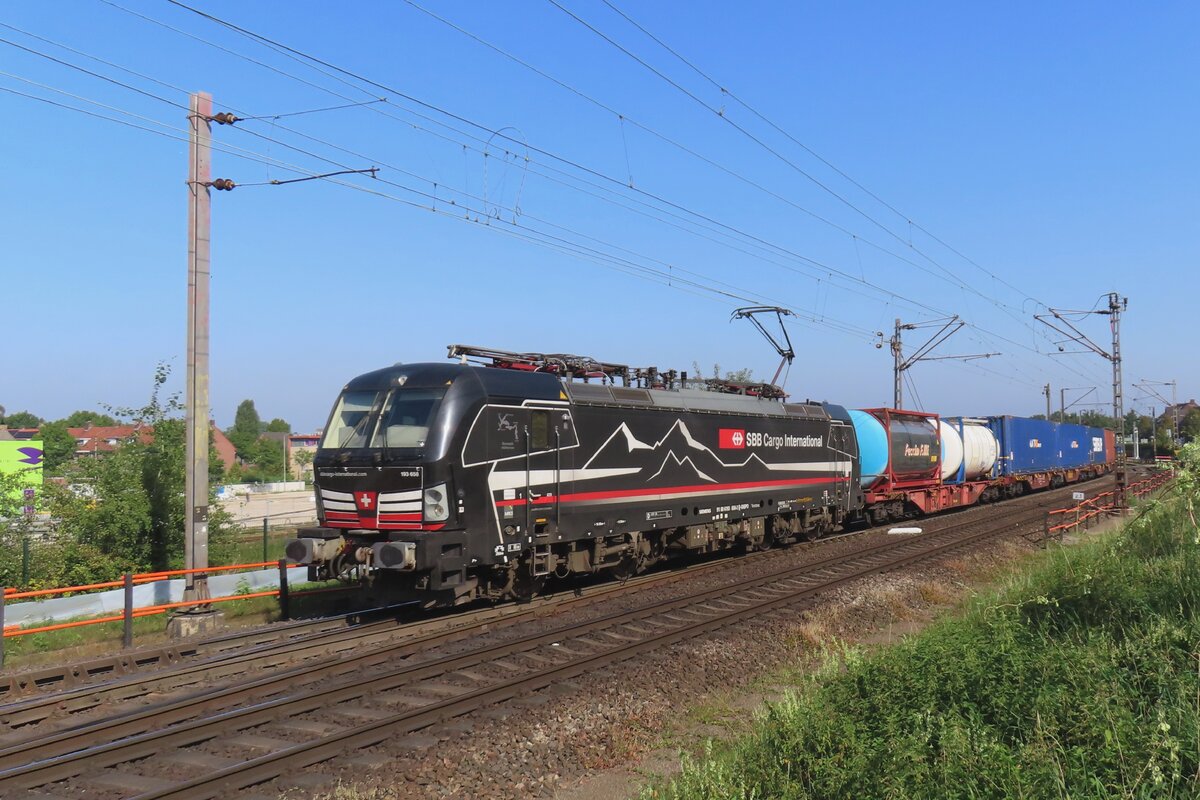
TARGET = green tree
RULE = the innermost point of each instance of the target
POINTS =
(22, 419)
(128, 505)
(278, 425)
(245, 430)
(81, 419)
(1189, 426)
(58, 446)
(1133, 420)
(216, 467)
(304, 459)
(1162, 441)
(267, 455)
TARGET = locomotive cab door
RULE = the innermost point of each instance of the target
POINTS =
(839, 439)
(550, 443)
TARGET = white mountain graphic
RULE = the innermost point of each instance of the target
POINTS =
(633, 443)
(686, 460)
(622, 448)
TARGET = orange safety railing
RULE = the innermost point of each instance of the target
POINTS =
(131, 612)
(1083, 514)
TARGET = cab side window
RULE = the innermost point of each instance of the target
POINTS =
(539, 430)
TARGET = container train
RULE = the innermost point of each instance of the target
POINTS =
(444, 483)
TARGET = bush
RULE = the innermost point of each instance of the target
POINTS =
(1079, 680)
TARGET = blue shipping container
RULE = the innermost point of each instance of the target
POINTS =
(1075, 445)
(1026, 445)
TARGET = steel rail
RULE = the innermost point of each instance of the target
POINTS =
(38, 709)
(33, 710)
(282, 762)
(126, 665)
(138, 746)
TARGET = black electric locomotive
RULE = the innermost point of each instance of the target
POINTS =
(450, 482)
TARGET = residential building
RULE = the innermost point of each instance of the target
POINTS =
(1169, 416)
(8, 434)
(92, 440)
(301, 466)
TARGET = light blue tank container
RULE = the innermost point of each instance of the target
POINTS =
(872, 445)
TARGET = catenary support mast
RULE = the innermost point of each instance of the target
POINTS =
(199, 230)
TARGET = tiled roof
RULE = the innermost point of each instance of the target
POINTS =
(106, 438)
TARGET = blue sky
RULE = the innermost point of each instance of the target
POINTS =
(1052, 145)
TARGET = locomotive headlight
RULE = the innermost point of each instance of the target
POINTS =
(436, 508)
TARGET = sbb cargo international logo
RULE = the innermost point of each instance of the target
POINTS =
(732, 439)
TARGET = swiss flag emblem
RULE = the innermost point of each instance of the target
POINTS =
(732, 439)
(365, 501)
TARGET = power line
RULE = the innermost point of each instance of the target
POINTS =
(774, 152)
(305, 58)
(739, 128)
(952, 278)
(623, 118)
(568, 162)
(669, 277)
(86, 71)
(657, 198)
(318, 110)
(231, 184)
(730, 94)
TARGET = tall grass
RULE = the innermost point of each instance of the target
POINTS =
(1079, 680)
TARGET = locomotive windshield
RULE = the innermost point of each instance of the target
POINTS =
(380, 419)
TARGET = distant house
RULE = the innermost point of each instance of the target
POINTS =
(93, 440)
(223, 446)
(1168, 416)
(8, 434)
(300, 443)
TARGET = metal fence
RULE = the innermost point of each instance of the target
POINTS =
(1089, 512)
(132, 608)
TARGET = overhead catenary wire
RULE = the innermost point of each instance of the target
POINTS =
(954, 279)
(824, 267)
(671, 279)
(478, 140)
(779, 129)
(233, 151)
(1007, 308)
(310, 60)
(485, 214)
(624, 118)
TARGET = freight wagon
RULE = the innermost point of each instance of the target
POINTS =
(915, 463)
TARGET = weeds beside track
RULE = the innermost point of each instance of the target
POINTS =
(1079, 679)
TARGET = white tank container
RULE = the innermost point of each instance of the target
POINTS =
(952, 449)
(980, 449)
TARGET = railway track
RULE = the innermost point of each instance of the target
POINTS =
(196, 745)
(243, 652)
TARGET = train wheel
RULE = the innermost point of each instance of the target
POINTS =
(625, 569)
(527, 586)
(343, 568)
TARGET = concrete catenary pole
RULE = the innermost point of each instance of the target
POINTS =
(898, 370)
(199, 230)
(1046, 391)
